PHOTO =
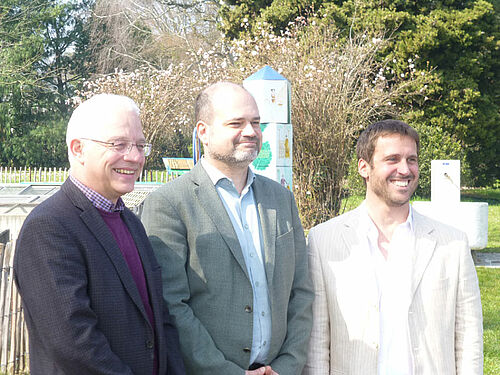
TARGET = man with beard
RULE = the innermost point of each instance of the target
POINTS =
(232, 250)
(396, 292)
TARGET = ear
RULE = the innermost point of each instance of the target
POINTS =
(363, 168)
(202, 130)
(76, 150)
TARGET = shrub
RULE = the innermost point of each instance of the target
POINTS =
(338, 88)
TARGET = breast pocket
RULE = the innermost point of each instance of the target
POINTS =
(285, 240)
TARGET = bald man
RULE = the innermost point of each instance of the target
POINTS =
(232, 250)
(89, 281)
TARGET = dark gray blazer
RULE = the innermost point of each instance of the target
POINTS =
(205, 278)
(82, 308)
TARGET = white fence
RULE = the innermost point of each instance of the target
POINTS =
(10, 175)
(13, 332)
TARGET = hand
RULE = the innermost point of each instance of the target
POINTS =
(265, 370)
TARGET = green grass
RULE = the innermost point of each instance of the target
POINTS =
(490, 195)
(489, 282)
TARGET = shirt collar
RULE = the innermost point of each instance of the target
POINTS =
(97, 199)
(368, 226)
(216, 175)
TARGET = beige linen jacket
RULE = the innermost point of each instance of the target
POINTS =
(445, 318)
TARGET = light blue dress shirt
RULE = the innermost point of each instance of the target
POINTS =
(242, 211)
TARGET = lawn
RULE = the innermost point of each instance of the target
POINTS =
(489, 282)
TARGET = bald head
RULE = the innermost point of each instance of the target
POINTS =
(95, 112)
(103, 137)
(207, 99)
(228, 125)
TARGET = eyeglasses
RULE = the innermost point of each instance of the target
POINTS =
(123, 147)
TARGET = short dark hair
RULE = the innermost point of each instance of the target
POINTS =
(203, 110)
(368, 138)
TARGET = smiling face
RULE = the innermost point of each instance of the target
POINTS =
(233, 136)
(392, 176)
(102, 169)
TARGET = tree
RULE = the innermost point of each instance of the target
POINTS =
(458, 39)
(43, 56)
(337, 88)
(133, 34)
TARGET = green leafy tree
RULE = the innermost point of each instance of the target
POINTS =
(42, 59)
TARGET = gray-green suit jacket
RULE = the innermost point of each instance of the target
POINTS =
(206, 285)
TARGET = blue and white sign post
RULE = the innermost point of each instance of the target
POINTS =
(272, 92)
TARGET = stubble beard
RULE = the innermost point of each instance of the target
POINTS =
(381, 189)
(236, 158)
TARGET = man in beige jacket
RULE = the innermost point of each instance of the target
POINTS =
(396, 292)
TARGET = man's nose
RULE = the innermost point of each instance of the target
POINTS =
(403, 167)
(134, 154)
(249, 130)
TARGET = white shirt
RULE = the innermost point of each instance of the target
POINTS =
(394, 286)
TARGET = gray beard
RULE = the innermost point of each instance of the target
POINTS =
(237, 158)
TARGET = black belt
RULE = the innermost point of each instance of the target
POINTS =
(255, 366)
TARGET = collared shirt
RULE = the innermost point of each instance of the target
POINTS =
(242, 211)
(97, 199)
(393, 277)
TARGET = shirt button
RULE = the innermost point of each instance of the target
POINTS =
(264, 343)
(248, 309)
(263, 313)
(256, 283)
(149, 344)
(245, 226)
(251, 255)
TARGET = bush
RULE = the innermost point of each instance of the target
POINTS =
(338, 88)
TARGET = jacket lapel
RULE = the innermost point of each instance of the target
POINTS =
(355, 282)
(93, 220)
(267, 215)
(425, 245)
(209, 200)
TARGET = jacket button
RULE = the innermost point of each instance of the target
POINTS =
(149, 344)
(246, 350)
(248, 309)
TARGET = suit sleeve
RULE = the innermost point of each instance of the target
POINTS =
(174, 362)
(168, 236)
(51, 275)
(468, 318)
(318, 358)
(293, 352)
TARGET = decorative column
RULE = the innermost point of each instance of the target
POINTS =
(272, 92)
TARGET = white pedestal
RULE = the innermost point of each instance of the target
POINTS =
(469, 217)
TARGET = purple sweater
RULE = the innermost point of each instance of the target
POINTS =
(129, 250)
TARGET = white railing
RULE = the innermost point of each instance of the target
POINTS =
(13, 332)
(10, 175)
